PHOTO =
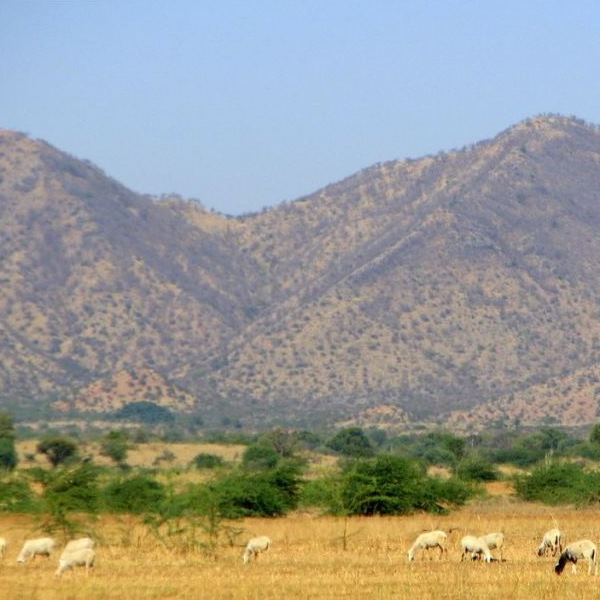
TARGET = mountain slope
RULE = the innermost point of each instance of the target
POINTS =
(420, 289)
(96, 278)
(450, 281)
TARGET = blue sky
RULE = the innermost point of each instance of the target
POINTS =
(246, 104)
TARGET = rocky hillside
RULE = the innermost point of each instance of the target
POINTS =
(453, 287)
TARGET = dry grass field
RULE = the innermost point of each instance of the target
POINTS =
(307, 560)
(140, 455)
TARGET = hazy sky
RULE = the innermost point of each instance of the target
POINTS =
(246, 104)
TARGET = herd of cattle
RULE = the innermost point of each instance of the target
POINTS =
(80, 552)
(479, 548)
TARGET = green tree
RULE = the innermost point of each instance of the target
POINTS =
(285, 443)
(115, 445)
(396, 485)
(205, 460)
(145, 412)
(57, 449)
(70, 493)
(475, 467)
(559, 483)
(8, 453)
(265, 493)
(261, 455)
(138, 494)
(352, 442)
(16, 495)
(595, 435)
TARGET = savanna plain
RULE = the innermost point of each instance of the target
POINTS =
(318, 557)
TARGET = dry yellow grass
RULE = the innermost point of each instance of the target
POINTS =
(307, 560)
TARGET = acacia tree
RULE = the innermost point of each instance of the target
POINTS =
(57, 449)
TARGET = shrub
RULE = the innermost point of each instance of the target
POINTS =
(267, 493)
(260, 456)
(351, 442)
(8, 454)
(57, 449)
(136, 494)
(559, 483)
(115, 446)
(396, 485)
(72, 489)
(324, 493)
(476, 468)
(439, 448)
(16, 496)
(145, 412)
(595, 435)
(207, 461)
(70, 496)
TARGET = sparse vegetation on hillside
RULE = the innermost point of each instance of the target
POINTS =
(456, 288)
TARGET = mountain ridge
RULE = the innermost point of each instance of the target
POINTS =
(413, 284)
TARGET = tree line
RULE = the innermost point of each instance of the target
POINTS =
(377, 474)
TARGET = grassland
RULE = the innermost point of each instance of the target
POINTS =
(308, 560)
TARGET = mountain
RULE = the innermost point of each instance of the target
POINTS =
(97, 279)
(458, 288)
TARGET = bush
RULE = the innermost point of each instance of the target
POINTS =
(258, 494)
(8, 453)
(476, 468)
(324, 493)
(16, 496)
(70, 496)
(57, 449)
(115, 446)
(351, 442)
(207, 461)
(396, 485)
(72, 489)
(532, 448)
(438, 448)
(260, 456)
(145, 412)
(559, 483)
(136, 494)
